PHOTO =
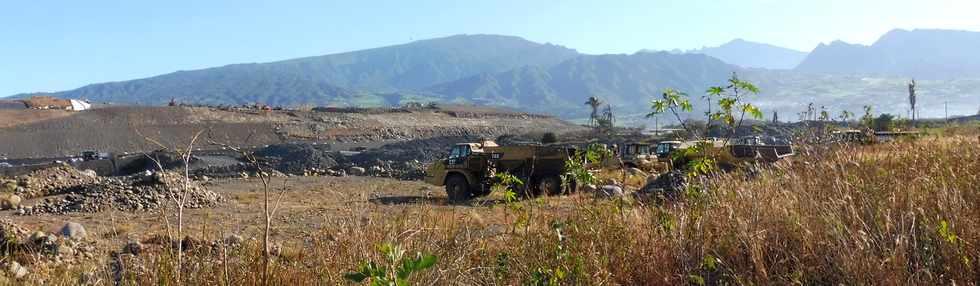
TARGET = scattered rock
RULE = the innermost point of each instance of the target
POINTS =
(356, 171)
(73, 230)
(666, 185)
(133, 247)
(610, 191)
(16, 270)
(64, 250)
(8, 186)
(636, 172)
(89, 173)
(141, 192)
(7, 226)
(51, 181)
(9, 202)
(376, 170)
(590, 188)
(234, 239)
(38, 237)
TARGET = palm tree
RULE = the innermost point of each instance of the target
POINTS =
(594, 103)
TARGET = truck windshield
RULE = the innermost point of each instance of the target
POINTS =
(460, 151)
(643, 149)
(663, 149)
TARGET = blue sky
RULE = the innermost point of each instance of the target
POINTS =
(49, 45)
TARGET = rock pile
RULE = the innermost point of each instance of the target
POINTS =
(52, 181)
(297, 158)
(422, 150)
(664, 186)
(140, 192)
(46, 250)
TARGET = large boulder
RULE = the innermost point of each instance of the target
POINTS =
(667, 185)
(73, 230)
(9, 202)
(7, 186)
(356, 171)
(610, 191)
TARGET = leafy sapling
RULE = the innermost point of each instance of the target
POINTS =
(397, 268)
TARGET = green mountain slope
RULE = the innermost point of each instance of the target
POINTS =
(347, 78)
(627, 82)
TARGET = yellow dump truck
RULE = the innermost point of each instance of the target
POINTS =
(471, 168)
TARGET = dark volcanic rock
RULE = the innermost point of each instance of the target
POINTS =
(298, 158)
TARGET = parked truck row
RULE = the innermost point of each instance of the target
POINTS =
(471, 168)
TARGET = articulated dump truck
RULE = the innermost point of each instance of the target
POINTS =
(736, 152)
(471, 169)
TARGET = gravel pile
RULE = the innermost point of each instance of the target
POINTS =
(297, 158)
(52, 181)
(421, 150)
(132, 193)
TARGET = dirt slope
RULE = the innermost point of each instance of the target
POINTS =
(123, 129)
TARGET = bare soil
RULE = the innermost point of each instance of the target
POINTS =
(48, 133)
(309, 204)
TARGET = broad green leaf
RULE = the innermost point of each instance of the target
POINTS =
(686, 105)
(744, 85)
(715, 90)
(427, 261)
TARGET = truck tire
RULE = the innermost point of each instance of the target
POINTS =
(457, 189)
(571, 186)
(550, 185)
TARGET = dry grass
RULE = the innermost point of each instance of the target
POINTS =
(897, 213)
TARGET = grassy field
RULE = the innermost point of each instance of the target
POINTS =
(895, 213)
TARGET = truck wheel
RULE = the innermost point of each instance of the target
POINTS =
(550, 185)
(571, 186)
(457, 189)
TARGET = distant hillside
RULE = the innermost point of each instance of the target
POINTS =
(923, 54)
(627, 82)
(342, 79)
(749, 54)
(754, 55)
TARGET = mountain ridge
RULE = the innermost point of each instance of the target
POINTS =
(919, 53)
(322, 79)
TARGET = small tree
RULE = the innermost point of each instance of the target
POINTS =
(867, 120)
(824, 115)
(593, 103)
(731, 113)
(845, 115)
(884, 122)
(395, 269)
(912, 97)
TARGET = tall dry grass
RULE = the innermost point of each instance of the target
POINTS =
(894, 214)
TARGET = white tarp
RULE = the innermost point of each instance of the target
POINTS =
(78, 105)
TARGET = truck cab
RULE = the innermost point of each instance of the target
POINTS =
(637, 155)
(665, 147)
